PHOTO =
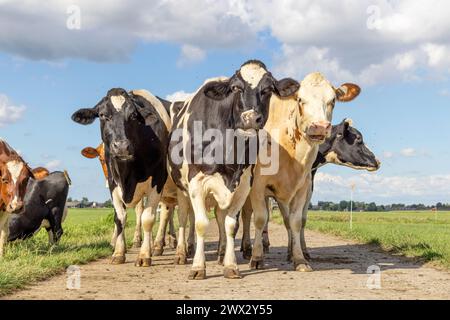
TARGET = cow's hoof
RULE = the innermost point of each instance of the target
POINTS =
(220, 259)
(118, 260)
(180, 259)
(256, 263)
(303, 267)
(158, 251)
(191, 251)
(247, 253)
(143, 262)
(197, 274)
(231, 273)
(173, 242)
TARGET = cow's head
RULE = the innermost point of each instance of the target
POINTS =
(249, 91)
(99, 152)
(15, 174)
(346, 147)
(317, 97)
(122, 122)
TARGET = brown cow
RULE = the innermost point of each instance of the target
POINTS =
(15, 174)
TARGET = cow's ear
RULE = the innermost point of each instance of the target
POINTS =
(89, 153)
(286, 87)
(85, 116)
(217, 90)
(40, 173)
(347, 92)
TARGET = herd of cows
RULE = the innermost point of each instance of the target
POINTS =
(149, 156)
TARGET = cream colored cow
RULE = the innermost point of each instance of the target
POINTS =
(298, 126)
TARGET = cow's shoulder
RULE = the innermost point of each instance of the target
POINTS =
(160, 114)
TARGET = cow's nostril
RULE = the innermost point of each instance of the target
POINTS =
(259, 120)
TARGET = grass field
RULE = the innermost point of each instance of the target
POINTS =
(425, 235)
(86, 237)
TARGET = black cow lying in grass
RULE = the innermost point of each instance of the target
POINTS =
(45, 206)
(345, 147)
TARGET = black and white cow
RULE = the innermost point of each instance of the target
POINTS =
(134, 128)
(238, 104)
(44, 206)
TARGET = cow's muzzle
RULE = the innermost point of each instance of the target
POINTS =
(319, 131)
(121, 149)
(251, 120)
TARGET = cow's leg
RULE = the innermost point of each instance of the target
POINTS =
(246, 245)
(114, 235)
(172, 232)
(231, 270)
(302, 231)
(144, 258)
(191, 236)
(260, 219)
(295, 221)
(137, 238)
(120, 220)
(198, 270)
(4, 230)
(160, 235)
(220, 218)
(284, 210)
(50, 225)
(266, 242)
(183, 212)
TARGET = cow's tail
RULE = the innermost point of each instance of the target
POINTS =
(66, 175)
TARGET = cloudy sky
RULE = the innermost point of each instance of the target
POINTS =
(57, 56)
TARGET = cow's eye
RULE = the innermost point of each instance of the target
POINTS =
(267, 90)
(104, 117)
(133, 116)
(236, 89)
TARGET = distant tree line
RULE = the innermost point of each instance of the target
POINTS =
(373, 207)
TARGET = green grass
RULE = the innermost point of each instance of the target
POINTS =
(418, 234)
(87, 233)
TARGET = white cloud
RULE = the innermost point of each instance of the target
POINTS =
(408, 152)
(53, 165)
(190, 54)
(400, 40)
(376, 187)
(445, 92)
(9, 113)
(110, 30)
(178, 96)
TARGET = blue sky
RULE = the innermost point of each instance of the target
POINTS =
(403, 110)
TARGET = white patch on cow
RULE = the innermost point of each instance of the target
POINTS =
(316, 94)
(117, 102)
(15, 168)
(349, 121)
(252, 73)
(157, 105)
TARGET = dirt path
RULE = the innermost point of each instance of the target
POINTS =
(340, 273)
